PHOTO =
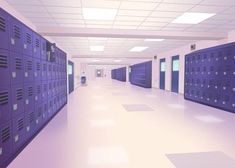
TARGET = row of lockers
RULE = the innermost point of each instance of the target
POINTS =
(119, 74)
(19, 131)
(141, 74)
(14, 69)
(20, 97)
(33, 85)
(210, 77)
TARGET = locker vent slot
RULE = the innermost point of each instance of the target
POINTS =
(44, 67)
(29, 65)
(38, 66)
(5, 134)
(37, 43)
(17, 32)
(2, 24)
(4, 98)
(38, 89)
(20, 124)
(28, 38)
(19, 94)
(3, 61)
(31, 117)
(18, 63)
(30, 91)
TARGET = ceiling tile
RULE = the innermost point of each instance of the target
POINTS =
(183, 1)
(100, 4)
(63, 3)
(138, 5)
(208, 9)
(24, 2)
(174, 7)
(30, 8)
(122, 23)
(165, 14)
(66, 16)
(71, 10)
(218, 2)
(160, 19)
(127, 18)
(157, 24)
(149, 28)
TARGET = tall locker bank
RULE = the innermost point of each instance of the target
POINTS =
(33, 85)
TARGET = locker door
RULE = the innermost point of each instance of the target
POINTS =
(5, 103)
(44, 90)
(37, 70)
(175, 74)
(29, 97)
(6, 145)
(30, 123)
(4, 67)
(17, 68)
(19, 132)
(4, 30)
(36, 46)
(71, 76)
(16, 35)
(38, 93)
(17, 99)
(28, 69)
(44, 70)
(43, 49)
(27, 41)
(162, 73)
(38, 114)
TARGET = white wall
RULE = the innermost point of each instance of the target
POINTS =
(182, 51)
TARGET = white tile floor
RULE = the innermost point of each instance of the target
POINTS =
(95, 131)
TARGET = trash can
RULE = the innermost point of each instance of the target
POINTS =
(83, 80)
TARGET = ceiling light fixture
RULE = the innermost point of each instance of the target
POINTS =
(138, 49)
(97, 48)
(117, 60)
(159, 40)
(192, 18)
(95, 60)
(99, 14)
(97, 38)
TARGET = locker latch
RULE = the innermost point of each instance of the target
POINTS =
(15, 107)
(13, 74)
(12, 41)
(26, 101)
(16, 138)
(0, 151)
(25, 46)
(26, 74)
(28, 128)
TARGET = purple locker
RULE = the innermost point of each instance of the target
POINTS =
(38, 115)
(53, 87)
(36, 46)
(38, 92)
(17, 68)
(28, 69)
(29, 97)
(6, 146)
(44, 70)
(16, 35)
(50, 107)
(49, 70)
(30, 123)
(5, 104)
(4, 68)
(27, 41)
(19, 132)
(17, 99)
(4, 29)
(50, 92)
(43, 49)
(44, 90)
(37, 70)
(45, 112)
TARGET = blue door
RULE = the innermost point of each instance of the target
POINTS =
(71, 76)
(162, 73)
(175, 74)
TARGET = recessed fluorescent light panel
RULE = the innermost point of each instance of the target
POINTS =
(192, 18)
(97, 48)
(154, 40)
(138, 49)
(99, 14)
